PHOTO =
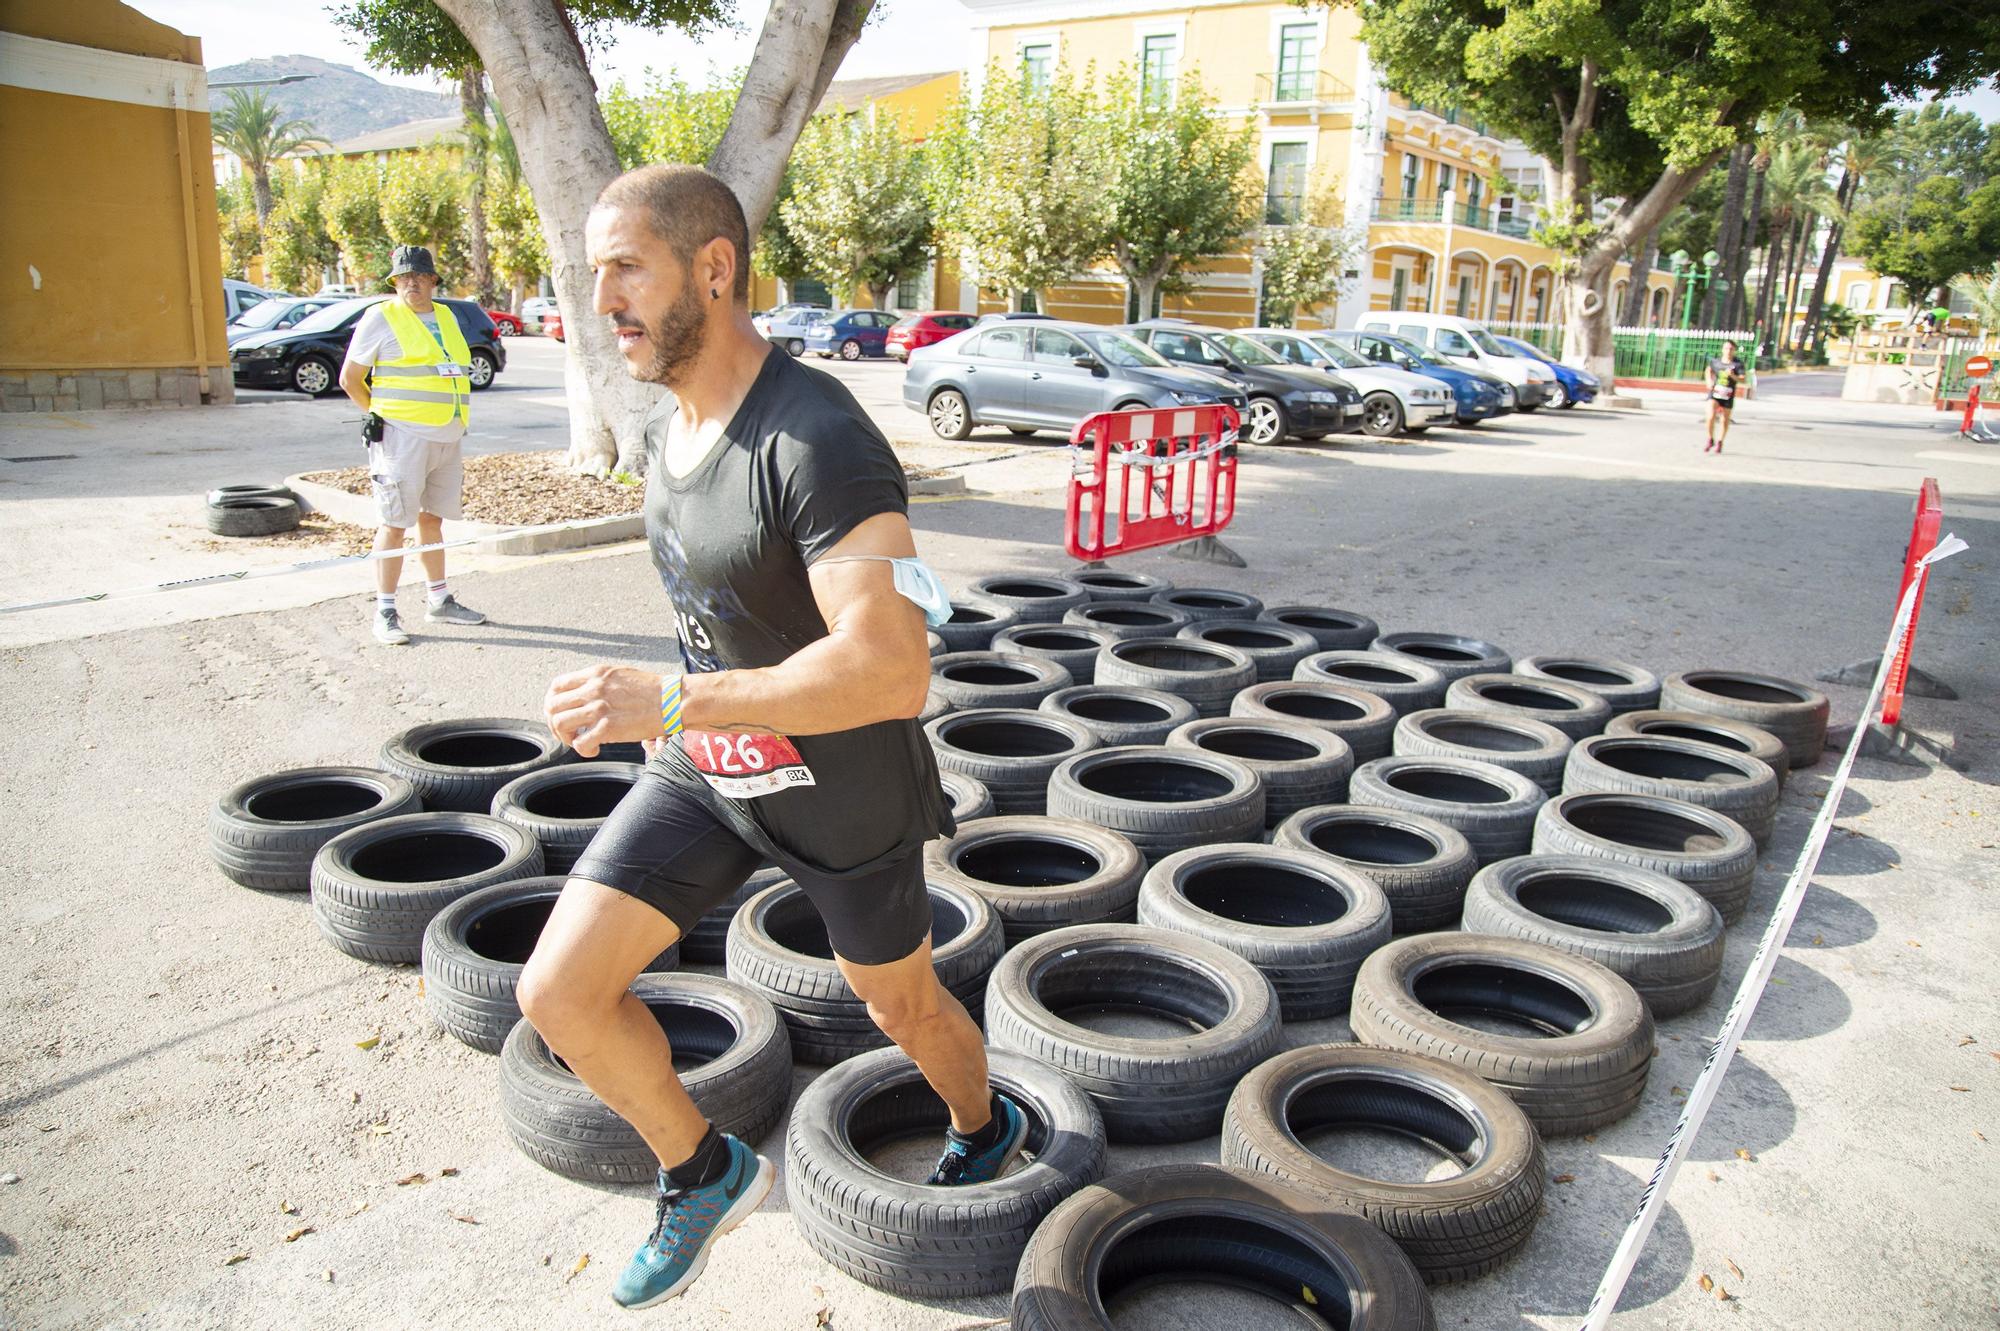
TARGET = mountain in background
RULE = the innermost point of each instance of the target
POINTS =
(341, 102)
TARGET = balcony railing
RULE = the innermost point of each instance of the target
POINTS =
(1480, 216)
(1408, 210)
(1451, 116)
(1301, 86)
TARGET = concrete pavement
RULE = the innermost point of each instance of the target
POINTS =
(179, 1055)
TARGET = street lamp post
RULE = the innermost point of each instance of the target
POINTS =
(1685, 271)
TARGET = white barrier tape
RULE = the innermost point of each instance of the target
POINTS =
(1626, 1256)
(284, 570)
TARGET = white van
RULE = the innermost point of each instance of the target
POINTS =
(1466, 342)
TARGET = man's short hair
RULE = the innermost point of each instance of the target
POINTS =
(686, 206)
(1728, 341)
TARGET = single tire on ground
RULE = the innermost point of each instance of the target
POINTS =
(730, 1052)
(1306, 921)
(1121, 716)
(778, 946)
(969, 798)
(1161, 1088)
(1357, 716)
(1794, 713)
(1130, 619)
(1011, 751)
(222, 493)
(1421, 865)
(1109, 585)
(264, 832)
(1040, 873)
(1275, 649)
(1493, 807)
(1662, 936)
(995, 679)
(459, 766)
(253, 515)
(1034, 598)
(907, 1237)
(475, 950)
(562, 807)
(1334, 630)
(1231, 1227)
(974, 620)
(1450, 654)
(1452, 1228)
(707, 939)
(1406, 684)
(1577, 712)
(1720, 731)
(375, 888)
(1628, 688)
(1299, 766)
(1708, 851)
(1201, 603)
(1074, 647)
(1162, 800)
(1586, 1042)
(1743, 787)
(1535, 749)
(1206, 674)
(935, 643)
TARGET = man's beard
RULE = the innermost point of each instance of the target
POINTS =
(677, 338)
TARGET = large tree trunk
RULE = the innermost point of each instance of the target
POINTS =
(1737, 313)
(260, 190)
(1808, 228)
(1715, 306)
(1636, 289)
(1813, 334)
(1768, 287)
(479, 261)
(1147, 285)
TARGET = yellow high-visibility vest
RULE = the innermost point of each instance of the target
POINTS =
(430, 387)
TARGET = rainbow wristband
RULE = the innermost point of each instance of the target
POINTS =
(670, 707)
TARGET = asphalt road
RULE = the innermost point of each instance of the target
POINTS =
(180, 1060)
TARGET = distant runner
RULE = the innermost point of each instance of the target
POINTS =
(1726, 374)
(777, 516)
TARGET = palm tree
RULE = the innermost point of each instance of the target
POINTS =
(1859, 157)
(250, 126)
(1796, 192)
(1984, 291)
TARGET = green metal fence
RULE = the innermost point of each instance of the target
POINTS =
(1952, 379)
(1672, 353)
(1547, 336)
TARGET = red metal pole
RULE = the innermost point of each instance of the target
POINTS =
(1971, 407)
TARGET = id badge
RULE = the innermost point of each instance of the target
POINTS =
(450, 371)
(745, 767)
(1725, 391)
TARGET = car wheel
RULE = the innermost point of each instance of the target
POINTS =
(1524, 408)
(1020, 431)
(951, 417)
(1265, 422)
(1558, 397)
(313, 376)
(483, 370)
(795, 346)
(1382, 415)
(850, 350)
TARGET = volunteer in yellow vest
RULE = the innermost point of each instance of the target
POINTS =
(408, 367)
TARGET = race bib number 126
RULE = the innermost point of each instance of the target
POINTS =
(745, 767)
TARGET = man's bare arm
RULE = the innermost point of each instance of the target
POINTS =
(354, 382)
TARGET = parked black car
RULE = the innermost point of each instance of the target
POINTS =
(307, 358)
(1284, 399)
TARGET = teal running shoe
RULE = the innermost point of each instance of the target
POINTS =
(687, 1224)
(961, 1164)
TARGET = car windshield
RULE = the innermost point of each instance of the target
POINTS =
(1528, 349)
(1343, 357)
(334, 315)
(1484, 341)
(1124, 352)
(1250, 353)
(1408, 349)
(263, 314)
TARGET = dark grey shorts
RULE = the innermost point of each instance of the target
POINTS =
(667, 848)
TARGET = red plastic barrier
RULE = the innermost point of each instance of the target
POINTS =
(1150, 478)
(1923, 539)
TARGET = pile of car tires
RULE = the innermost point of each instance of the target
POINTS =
(1184, 819)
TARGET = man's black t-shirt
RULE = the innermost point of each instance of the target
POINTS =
(1729, 376)
(797, 468)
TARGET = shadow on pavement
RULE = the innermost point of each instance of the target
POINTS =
(1800, 1004)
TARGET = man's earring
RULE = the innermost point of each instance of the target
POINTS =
(713, 294)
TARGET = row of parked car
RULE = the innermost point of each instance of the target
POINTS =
(1395, 374)
(299, 342)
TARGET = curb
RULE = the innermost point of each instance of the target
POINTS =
(360, 511)
(937, 485)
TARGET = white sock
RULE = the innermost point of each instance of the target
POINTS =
(439, 591)
(385, 602)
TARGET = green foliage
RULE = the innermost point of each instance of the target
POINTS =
(297, 249)
(1183, 185)
(351, 207)
(856, 209)
(415, 37)
(776, 252)
(253, 127)
(241, 242)
(1017, 180)
(1304, 267)
(514, 230)
(1945, 230)
(1839, 321)
(1921, 144)
(1569, 232)
(671, 121)
(1984, 293)
(1696, 225)
(423, 203)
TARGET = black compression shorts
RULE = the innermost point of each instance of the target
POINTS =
(665, 847)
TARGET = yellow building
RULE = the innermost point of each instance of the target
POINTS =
(108, 237)
(1419, 182)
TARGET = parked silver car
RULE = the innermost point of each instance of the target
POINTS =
(1031, 375)
(787, 325)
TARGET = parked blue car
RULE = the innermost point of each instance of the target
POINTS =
(1478, 395)
(851, 334)
(1572, 385)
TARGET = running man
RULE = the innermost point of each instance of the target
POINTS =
(777, 517)
(1726, 374)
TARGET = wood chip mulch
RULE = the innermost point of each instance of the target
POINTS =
(519, 490)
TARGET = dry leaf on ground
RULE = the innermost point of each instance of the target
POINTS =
(463, 1219)
(287, 1208)
(298, 1233)
(1742, 1154)
(235, 1257)
(408, 1179)
(368, 1043)
(1734, 1269)
(577, 1270)
(1564, 1178)
(1705, 1283)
